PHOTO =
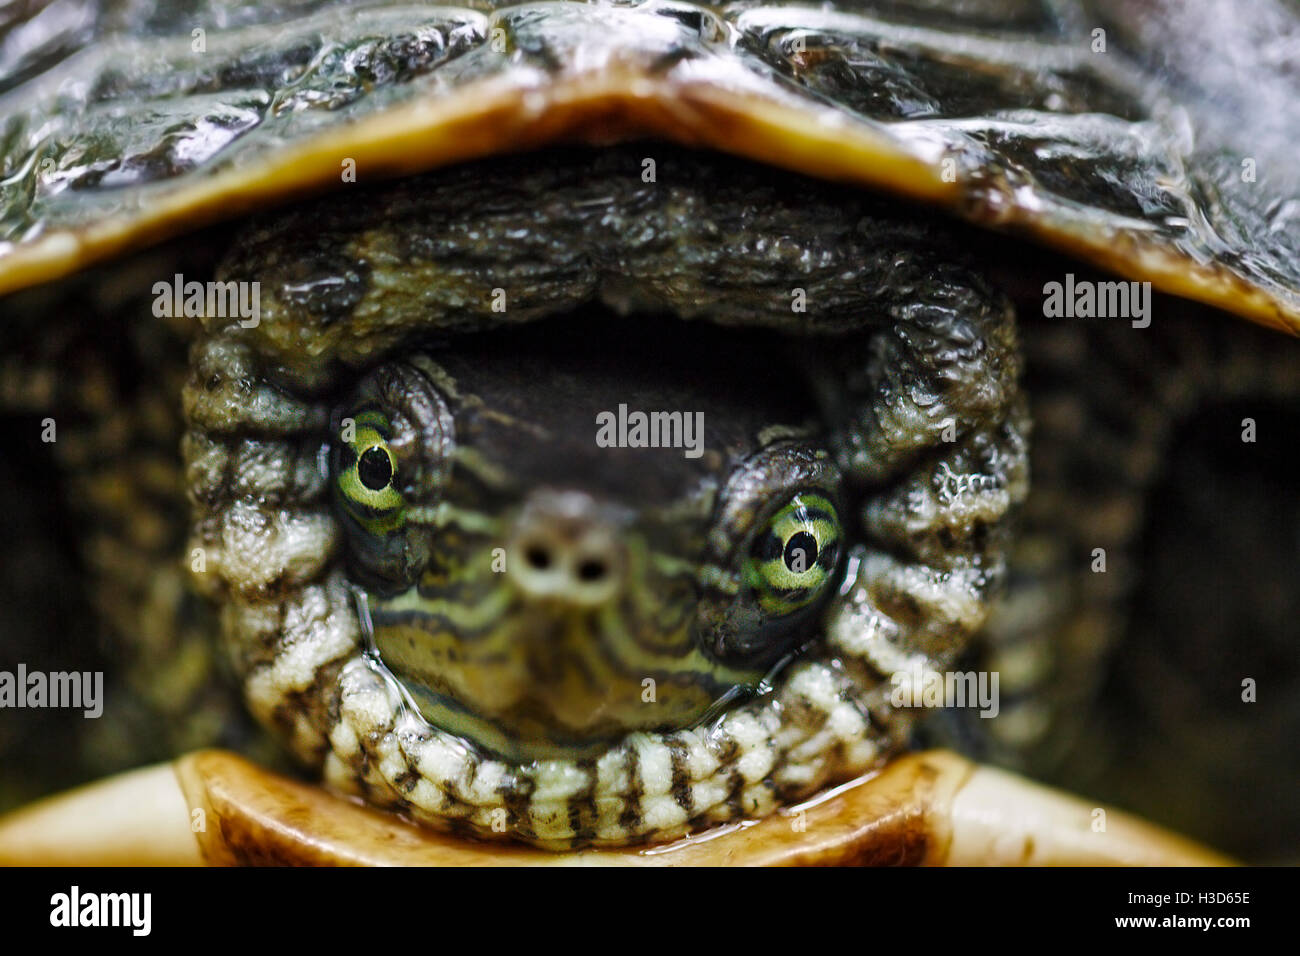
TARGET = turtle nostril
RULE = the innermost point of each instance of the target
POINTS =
(566, 550)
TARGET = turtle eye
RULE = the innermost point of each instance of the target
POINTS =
(795, 555)
(784, 550)
(391, 444)
(366, 473)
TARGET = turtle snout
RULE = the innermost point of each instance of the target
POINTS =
(566, 549)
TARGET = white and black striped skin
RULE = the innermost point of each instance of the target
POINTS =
(906, 347)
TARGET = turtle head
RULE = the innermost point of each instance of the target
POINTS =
(552, 550)
(499, 607)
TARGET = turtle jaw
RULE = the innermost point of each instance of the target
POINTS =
(530, 671)
(458, 746)
(809, 730)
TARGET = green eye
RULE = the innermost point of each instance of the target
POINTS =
(795, 555)
(366, 475)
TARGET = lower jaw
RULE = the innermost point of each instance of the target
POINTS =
(525, 687)
(814, 728)
(518, 741)
(521, 729)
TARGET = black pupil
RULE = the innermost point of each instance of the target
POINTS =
(374, 469)
(803, 542)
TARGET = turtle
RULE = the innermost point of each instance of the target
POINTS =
(586, 424)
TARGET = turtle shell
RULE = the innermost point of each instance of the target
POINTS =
(1134, 137)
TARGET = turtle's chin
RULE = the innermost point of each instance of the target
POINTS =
(546, 681)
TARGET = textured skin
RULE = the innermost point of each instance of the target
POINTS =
(112, 387)
(940, 351)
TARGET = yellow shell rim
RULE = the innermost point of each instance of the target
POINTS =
(603, 107)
